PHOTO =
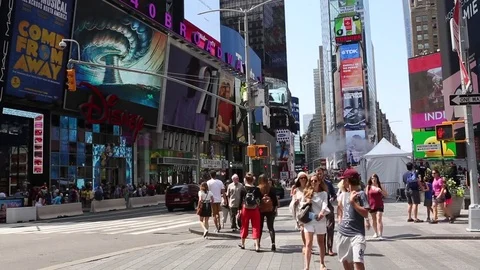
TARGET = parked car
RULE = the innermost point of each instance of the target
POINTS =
(182, 196)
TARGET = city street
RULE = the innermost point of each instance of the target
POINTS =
(152, 238)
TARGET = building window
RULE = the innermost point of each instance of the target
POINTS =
(419, 28)
(418, 19)
(425, 36)
(425, 18)
(420, 46)
(426, 46)
(419, 37)
(425, 27)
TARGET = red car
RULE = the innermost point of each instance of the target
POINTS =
(182, 196)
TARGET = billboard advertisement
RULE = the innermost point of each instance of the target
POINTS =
(351, 74)
(225, 110)
(346, 6)
(354, 116)
(296, 112)
(233, 48)
(278, 93)
(349, 51)
(425, 145)
(348, 29)
(274, 41)
(37, 62)
(185, 107)
(283, 145)
(7, 9)
(356, 144)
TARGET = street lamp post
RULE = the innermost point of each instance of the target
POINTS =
(250, 105)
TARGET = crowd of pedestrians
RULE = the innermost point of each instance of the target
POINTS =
(252, 203)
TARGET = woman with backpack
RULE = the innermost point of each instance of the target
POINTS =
(249, 211)
(268, 207)
(204, 208)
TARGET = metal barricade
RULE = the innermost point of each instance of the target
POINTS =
(394, 190)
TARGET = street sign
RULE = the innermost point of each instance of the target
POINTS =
(461, 100)
(428, 147)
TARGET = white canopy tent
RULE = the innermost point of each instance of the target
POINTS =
(388, 162)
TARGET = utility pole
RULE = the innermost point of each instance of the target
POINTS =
(463, 44)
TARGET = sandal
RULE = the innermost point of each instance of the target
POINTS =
(410, 220)
(417, 221)
(241, 246)
(323, 267)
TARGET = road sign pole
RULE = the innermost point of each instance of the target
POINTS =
(473, 209)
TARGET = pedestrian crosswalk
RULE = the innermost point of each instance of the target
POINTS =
(131, 226)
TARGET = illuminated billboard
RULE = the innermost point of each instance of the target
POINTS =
(348, 29)
(351, 74)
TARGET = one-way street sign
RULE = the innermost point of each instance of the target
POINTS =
(461, 100)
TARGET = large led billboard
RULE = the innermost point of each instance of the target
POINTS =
(425, 145)
(349, 51)
(354, 115)
(351, 74)
(426, 90)
(348, 29)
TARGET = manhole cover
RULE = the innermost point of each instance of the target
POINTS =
(219, 246)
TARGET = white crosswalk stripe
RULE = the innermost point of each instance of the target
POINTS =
(131, 226)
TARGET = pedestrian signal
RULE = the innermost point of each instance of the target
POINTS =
(251, 151)
(71, 80)
(444, 132)
(262, 151)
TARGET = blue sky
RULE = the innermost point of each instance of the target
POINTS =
(304, 37)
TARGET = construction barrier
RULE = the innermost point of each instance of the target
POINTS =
(59, 210)
(108, 205)
(136, 202)
(21, 214)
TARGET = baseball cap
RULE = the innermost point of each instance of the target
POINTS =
(350, 173)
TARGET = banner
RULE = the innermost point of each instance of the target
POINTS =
(425, 145)
(6, 11)
(351, 74)
(283, 145)
(225, 110)
(296, 112)
(239, 120)
(354, 110)
(348, 29)
(349, 51)
(37, 62)
(185, 107)
(9, 203)
(346, 6)
(356, 145)
(109, 36)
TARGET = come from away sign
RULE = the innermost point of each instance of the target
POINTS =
(462, 100)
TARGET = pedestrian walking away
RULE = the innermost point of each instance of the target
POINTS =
(204, 208)
(412, 190)
(250, 212)
(332, 196)
(218, 190)
(351, 242)
(268, 208)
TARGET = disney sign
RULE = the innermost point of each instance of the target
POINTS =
(103, 112)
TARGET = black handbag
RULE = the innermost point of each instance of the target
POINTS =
(303, 214)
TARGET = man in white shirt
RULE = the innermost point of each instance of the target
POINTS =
(217, 188)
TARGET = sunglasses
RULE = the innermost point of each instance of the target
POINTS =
(314, 181)
(303, 178)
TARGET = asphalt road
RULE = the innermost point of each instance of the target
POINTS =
(41, 244)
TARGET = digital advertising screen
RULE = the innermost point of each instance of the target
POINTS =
(225, 110)
(36, 61)
(425, 145)
(356, 144)
(349, 51)
(351, 74)
(348, 29)
(426, 90)
(354, 115)
(184, 106)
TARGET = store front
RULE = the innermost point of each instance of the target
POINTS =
(168, 157)
(213, 156)
(23, 136)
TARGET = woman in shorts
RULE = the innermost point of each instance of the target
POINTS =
(375, 194)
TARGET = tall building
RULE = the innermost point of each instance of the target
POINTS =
(424, 30)
(408, 27)
(307, 118)
(266, 29)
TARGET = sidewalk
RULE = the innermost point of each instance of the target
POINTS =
(222, 254)
(395, 226)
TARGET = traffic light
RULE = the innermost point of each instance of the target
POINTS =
(71, 80)
(262, 151)
(251, 151)
(444, 132)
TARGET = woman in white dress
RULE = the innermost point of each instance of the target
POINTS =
(315, 193)
(297, 195)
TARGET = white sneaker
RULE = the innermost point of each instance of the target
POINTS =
(380, 237)
(375, 235)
